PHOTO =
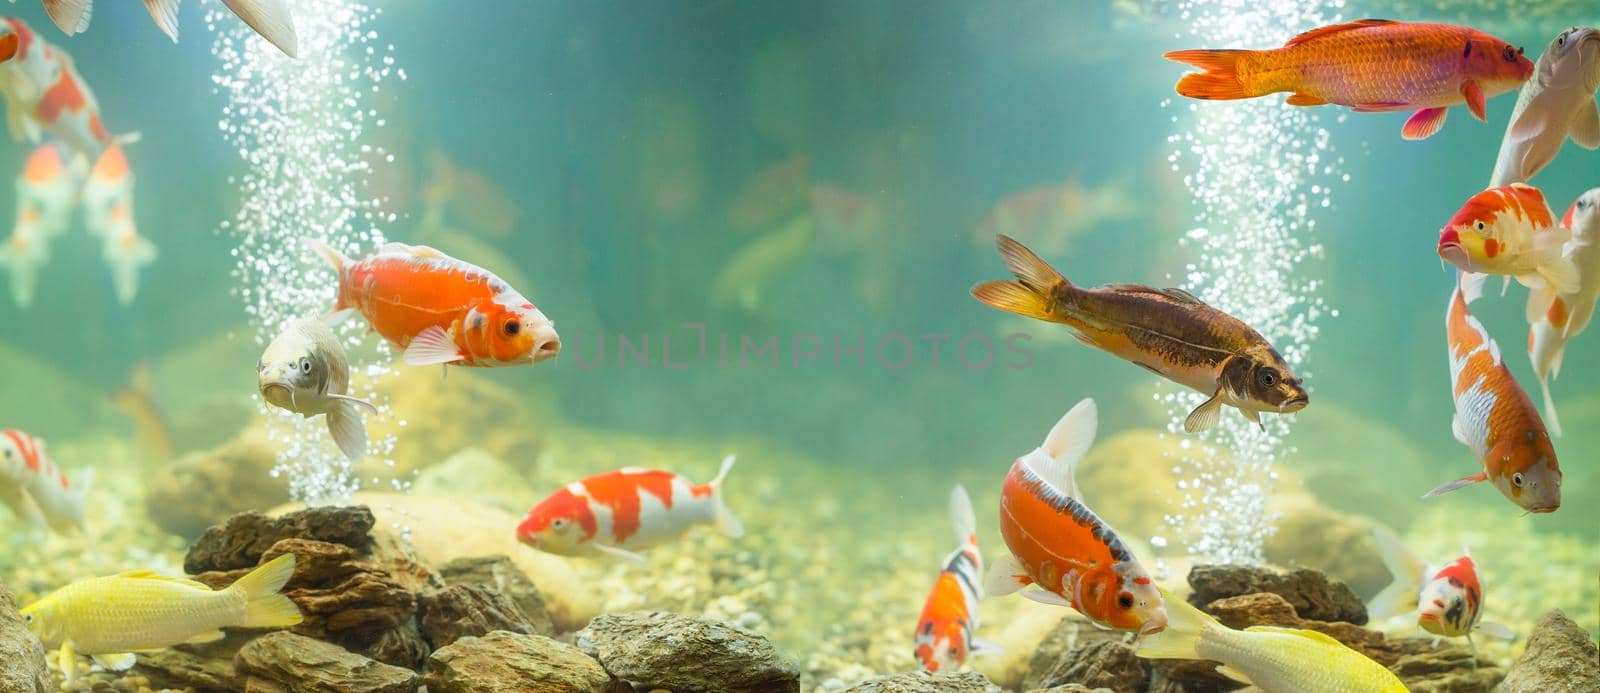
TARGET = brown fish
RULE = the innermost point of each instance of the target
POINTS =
(1167, 331)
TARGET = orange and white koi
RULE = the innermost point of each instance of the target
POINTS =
(944, 636)
(1509, 231)
(1494, 416)
(47, 190)
(1555, 318)
(440, 310)
(620, 513)
(269, 18)
(1064, 553)
(1370, 65)
(1445, 601)
(108, 213)
(28, 476)
(45, 94)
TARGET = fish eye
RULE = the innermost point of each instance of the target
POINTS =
(305, 365)
(1480, 225)
(512, 328)
(1516, 480)
(1125, 600)
(27, 618)
(1267, 377)
(1510, 54)
(559, 523)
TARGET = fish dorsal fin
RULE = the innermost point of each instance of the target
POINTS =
(1175, 294)
(1334, 29)
(1181, 296)
(153, 575)
(1064, 447)
(1318, 636)
(412, 250)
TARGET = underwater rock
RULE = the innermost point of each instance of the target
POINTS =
(1056, 652)
(1078, 688)
(22, 667)
(661, 649)
(337, 591)
(237, 476)
(244, 538)
(499, 574)
(1340, 546)
(400, 646)
(477, 476)
(435, 428)
(459, 611)
(1311, 593)
(1559, 657)
(1271, 609)
(204, 667)
(924, 682)
(1446, 669)
(1096, 663)
(287, 662)
(509, 662)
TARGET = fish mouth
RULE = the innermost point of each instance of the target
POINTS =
(1294, 404)
(1456, 255)
(1542, 508)
(546, 344)
(278, 393)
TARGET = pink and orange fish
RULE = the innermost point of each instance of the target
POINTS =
(1061, 552)
(1554, 318)
(1494, 416)
(440, 310)
(45, 94)
(1370, 65)
(1509, 231)
(108, 213)
(47, 190)
(35, 488)
(944, 637)
(620, 513)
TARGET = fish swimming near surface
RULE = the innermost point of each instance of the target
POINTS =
(440, 310)
(1494, 416)
(1556, 318)
(138, 401)
(944, 637)
(304, 370)
(1556, 105)
(108, 213)
(1510, 231)
(1061, 553)
(1273, 659)
(1166, 331)
(1446, 601)
(620, 513)
(269, 18)
(1369, 65)
(110, 618)
(33, 486)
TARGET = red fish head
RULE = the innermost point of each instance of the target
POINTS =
(1526, 472)
(559, 524)
(1130, 602)
(16, 455)
(1497, 65)
(511, 331)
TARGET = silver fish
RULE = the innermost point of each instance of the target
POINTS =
(304, 370)
(1556, 104)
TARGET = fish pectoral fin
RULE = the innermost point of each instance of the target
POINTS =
(431, 347)
(165, 14)
(619, 553)
(120, 661)
(1585, 128)
(370, 407)
(348, 429)
(1463, 482)
(1234, 674)
(1475, 99)
(1422, 124)
(1496, 630)
(1005, 576)
(1255, 418)
(208, 636)
(1204, 416)
(1304, 99)
(1043, 596)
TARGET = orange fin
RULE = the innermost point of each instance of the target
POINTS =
(1422, 124)
(1013, 297)
(1334, 29)
(1463, 482)
(1475, 100)
(1220, 81)
(1303, 99)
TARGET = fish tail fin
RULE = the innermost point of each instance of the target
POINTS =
(726, 522)
(264, 607)
(1186, 625)
(339, 263)
(1406, 569)
(165, 15)
(1550, 418)
(962, 519)
(271, 19)
(72, 16)
(1220, 81)
(349, 429)
(1031, 294)
(24, 275)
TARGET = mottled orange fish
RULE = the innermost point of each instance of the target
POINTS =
(1510, 231)
(1166, 331)
(1369, 65)
(944, 637)
(1495, 418)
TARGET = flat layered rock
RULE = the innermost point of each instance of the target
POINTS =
(924, 682)
(244, 538)
(687, 654)
(459, 611)
(503, 662)
(289, 662)
(1311, 593)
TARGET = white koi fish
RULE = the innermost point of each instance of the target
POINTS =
(28, 475)
(1554, 318)
(1557, 104)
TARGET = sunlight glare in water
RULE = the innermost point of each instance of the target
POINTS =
(1258, 170)
(298, 126)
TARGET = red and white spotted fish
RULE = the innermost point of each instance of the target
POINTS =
(269, 18)
(1494, 416)
(45, 94)
(1060, 550)
(621, 513)
(1510, 231)
(944, 637)
(1555, 318)
(47, 190)
(440, 310)
(1446, 601)
(108, 213)
(29, 477)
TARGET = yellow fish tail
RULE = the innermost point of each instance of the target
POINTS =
(1031, 294)
(264, 606)
(1185, 626)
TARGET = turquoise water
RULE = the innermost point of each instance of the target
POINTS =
(624, 135)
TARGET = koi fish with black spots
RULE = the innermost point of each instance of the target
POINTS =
(944, 637)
